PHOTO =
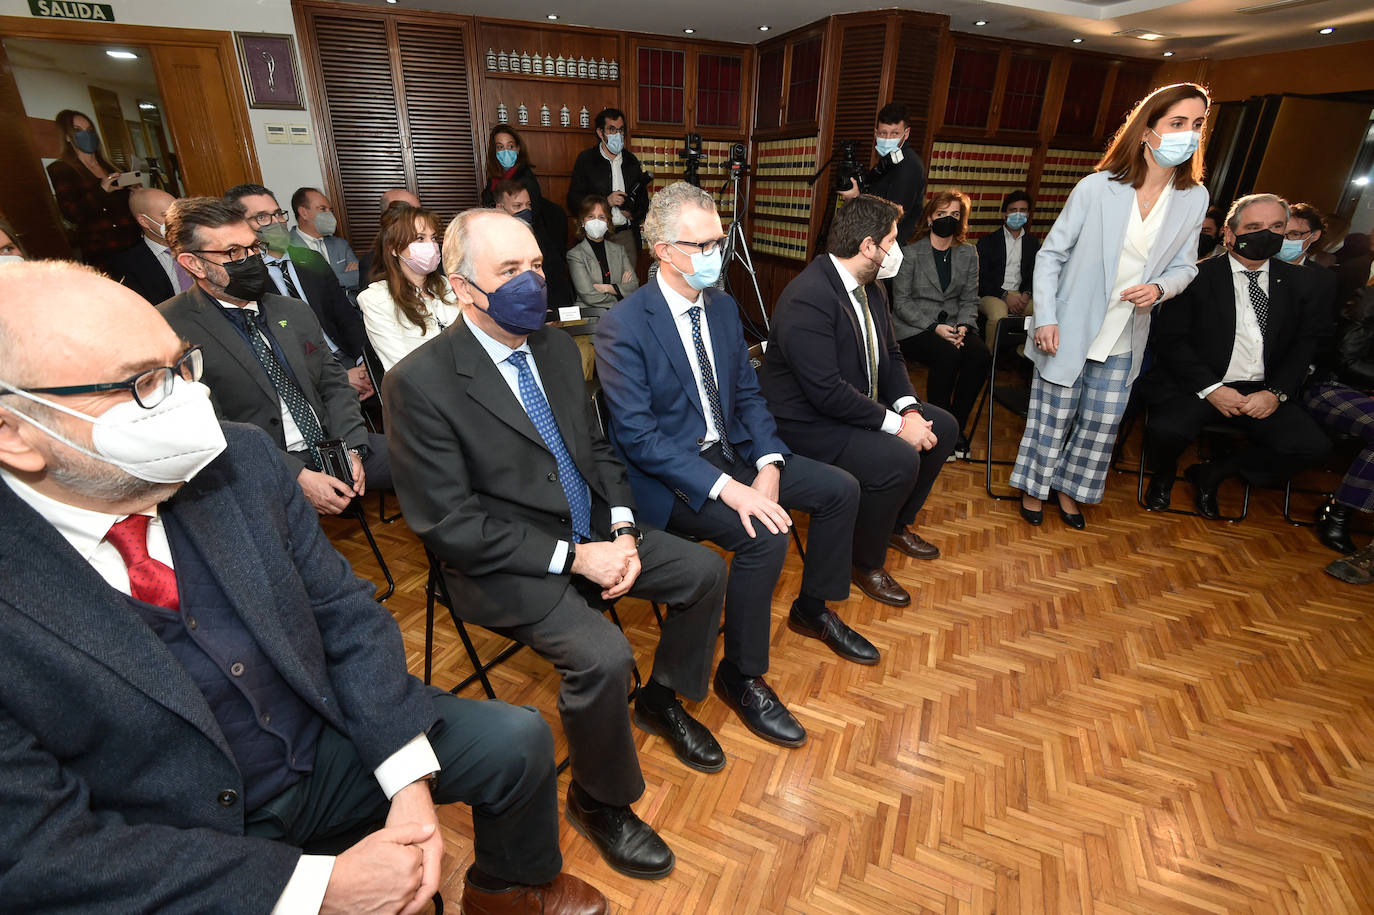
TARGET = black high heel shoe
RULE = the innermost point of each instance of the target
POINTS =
(1073, 519)
(1034, 518)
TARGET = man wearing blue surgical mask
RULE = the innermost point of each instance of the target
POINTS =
(1006, 263)
(315, 229)
(504, 473)
(610, 170)
(899, 175)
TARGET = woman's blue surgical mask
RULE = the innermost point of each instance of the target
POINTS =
(507, 157)
(1175, 148)
(519, 305)
(1017, 220)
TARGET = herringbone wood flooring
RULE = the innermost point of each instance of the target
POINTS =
(1156, 715)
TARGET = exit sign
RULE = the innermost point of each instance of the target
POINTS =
(72, 9)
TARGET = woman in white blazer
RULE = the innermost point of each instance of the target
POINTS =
(1126, 240)
(414, 301)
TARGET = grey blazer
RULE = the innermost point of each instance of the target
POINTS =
(917, 298)
(340, 256)
(1075, 270)
(586, 271)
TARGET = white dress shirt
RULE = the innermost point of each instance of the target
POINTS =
(315, 244)
(274, 270)
(166, 260)
(1114, 337)
(892, 422)
(1011, 279)
(500, 356)
(681, 308)
(85, 530)
(617, 184)
(290, 432)
(391, 333)
(1247, 351)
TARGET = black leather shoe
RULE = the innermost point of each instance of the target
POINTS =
(831, 630)
(1035, 518)
(689, 738)
(1158, 492)
(1204, 492)
(880, 586)
(913, 544)
(1333, 527)
(760, 709)
(1073, 519)
(626, 842)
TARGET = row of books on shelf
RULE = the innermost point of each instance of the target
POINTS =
(975, 162)
(783, 198)
(786, 158)
(660, 155)
(1067, 166)
(781, 239)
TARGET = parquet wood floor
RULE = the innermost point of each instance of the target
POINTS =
(1156, 715)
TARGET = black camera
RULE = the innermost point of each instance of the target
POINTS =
(849, 168)
(691, 149)
(738, 165)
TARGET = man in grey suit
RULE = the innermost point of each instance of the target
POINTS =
(506, 477)
(266, 361)
(315, 225)
(203, 708)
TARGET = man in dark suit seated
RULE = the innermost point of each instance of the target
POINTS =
(506, 477)
(1233, 349)
(1006, 263)
(550, 231)
(204, 706)
(705, 459)
(149, 267)
(299, 272)
(836, 382)
(266, 361)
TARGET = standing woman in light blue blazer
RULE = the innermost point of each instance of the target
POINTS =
(1126, 240)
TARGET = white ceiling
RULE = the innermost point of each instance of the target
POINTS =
(88, 60)
(1204, 28)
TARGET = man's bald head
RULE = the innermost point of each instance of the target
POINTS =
(149, 206)
(399, 194)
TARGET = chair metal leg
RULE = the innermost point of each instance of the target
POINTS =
(357, 511)
(381, 508)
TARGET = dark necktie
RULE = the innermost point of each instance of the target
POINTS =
(708, 381)
(574, 486)
(286, 283)
(285, 386)
(150, 581)
(870, 352)
(1259, 300)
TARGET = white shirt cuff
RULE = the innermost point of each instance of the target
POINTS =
(1202, 395)
(904, 402)
(892, 423)
(414, 761)
(720, 485)
(304, 892)
(621, 514)
(766, 460)
(560, 558)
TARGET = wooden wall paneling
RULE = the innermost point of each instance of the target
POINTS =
(767, 108)
(918, 50)
(25, 198)
(1104, 104)
(109, 115)
(1312, 150)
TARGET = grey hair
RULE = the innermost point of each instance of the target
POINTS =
(665, 211)
(460, 249)
(1233, 214)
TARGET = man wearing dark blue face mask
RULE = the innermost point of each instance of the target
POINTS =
(504, 473)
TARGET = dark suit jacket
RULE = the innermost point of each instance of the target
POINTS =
(657, 415)
(137, 267)
(339, 318)
(814, 372)
(903, 184)
(591, 174)
(1195, 331)
(992, 262)
(111, 762)
(477, 483)
(240, 388)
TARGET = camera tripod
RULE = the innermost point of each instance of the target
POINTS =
(737, 249)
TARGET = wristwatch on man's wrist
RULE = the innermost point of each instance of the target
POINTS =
(631, 529)
(1283, 398)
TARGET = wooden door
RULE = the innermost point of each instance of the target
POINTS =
(25, 199)
(214, 149)
(109, 115)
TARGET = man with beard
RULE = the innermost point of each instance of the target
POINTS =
(200, 696)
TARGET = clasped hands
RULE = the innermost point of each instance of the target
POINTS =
(611, 564)
(1230, 402)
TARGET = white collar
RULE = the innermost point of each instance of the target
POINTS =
(157, 247)
(497, 350)
(1238, 267)
(847, 278)
(677, 304)
(83, 528)
(251, 306)
(614, 160)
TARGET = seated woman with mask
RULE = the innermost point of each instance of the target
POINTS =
(601, 274)
(414, 301)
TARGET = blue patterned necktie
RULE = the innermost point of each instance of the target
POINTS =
(708, 381)
(574, 486)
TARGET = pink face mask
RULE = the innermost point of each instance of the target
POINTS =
(422, 257)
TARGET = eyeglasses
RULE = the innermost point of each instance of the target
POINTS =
(234, 254)
(262, 220)
(1295, 235)
(706, 247)
(149, 388)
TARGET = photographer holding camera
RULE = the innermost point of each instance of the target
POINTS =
(610, 170)
(900, 175)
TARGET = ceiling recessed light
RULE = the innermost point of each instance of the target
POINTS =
(147, 106)
(1326, 31)
(1078, 41)
(689, 31)
(764, 28)
(390, 1)
(980, 22)
(552, 16)
(1150, 36)
(1168, 53)
(1362, 180)
(122, 55)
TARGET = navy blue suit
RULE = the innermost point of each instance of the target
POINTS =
(657, 425)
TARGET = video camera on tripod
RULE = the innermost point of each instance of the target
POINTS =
(691, 151)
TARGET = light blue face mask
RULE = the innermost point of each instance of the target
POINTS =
(507, 157)
(615, 142)
(886, 147)
(705, 269)
(1292, 249)
(1175, 148)
(1017, 220)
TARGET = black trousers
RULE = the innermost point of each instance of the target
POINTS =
(1281, 444)
(829, 495)
(956, 373)
(495, 757)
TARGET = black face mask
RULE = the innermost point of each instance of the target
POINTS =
(945, 226)
(1206, 244)
(247, 279)
(1257, 246)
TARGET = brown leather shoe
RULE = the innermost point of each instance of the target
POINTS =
(914, 545)
(880, 586)
(565, 895)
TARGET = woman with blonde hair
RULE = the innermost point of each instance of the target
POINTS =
(413, 301)
(1126, 240)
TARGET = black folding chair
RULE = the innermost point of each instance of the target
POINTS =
(375, 373)
(356, 512)
(1210, 434)
(1009, 334)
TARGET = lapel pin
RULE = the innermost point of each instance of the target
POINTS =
(281, 323)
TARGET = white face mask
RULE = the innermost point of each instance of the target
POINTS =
(595, 229)
(159, 227)
(892, 262)
(10, 259)
(170, 443)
